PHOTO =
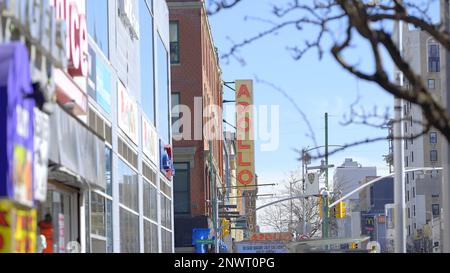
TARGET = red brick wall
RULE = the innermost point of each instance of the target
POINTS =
(197, 75)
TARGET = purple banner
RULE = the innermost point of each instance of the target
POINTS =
(16, 125)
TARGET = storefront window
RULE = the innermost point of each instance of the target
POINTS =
(129, 232)
(98, 219)
(128, 186)
(58, 219)
(163, 91)
(97, 21)
(147, 60)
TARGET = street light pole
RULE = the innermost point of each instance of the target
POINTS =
(399, 187)
(325, 201)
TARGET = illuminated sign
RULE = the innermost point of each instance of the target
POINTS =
(128, 113)
(127, 13)
(245, 138)
(72, 12)
(149, 141)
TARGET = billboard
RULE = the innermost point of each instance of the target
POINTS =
(128, 113)
(245, 134)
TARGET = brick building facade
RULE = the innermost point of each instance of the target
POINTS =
(196, 85)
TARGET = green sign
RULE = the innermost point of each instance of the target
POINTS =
(205, 242)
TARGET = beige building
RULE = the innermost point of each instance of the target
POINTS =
(423, 196)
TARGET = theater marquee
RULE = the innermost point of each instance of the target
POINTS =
(245, 134)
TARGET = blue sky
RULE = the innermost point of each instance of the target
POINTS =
(316, 86)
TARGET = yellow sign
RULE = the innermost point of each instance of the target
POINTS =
(245, 135)
(18, 229)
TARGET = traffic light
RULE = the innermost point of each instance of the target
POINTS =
(341, 210)
(355, 245)
(226, 227)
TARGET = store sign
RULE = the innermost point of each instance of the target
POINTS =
(17, 143)
(62, 243)
(166, 160)
(73, 13)
(127, 10)
(37, 22)
(18, 229)
(261, 247)
(149, 141)
(282, 236)
(41, 151)
(128, 113)
(245, 138)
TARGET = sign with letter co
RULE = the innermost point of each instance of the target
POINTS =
(245, 134)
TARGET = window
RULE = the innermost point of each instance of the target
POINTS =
(163, 91)
(431, 84)
(174, 43)
(166, 212)
(406, 127)
(414, 210)
(407, 178)
(147, 61)
(409, 213)
(433, 138)
(409, 230)
(101, 224)
(413, 175)
(433, 155)
(97, 23)
(129, 232)
(407, 196)
(181, 189)
(176, 115)
(412, 156)
(128, 186)
(108, 170)
(150, 201)
(436, 210)
(414, 192)
(406, 162)
(433, 58)
(150, 237)
(166, 241)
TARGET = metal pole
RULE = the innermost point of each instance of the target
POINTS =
(214, 203)
(304, 191)
(290, 216)
(445, 232)
(325, 201)
(399, 178)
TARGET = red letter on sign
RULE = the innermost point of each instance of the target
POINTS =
(243, 91)
(241, 161)
(249, 179)
(3, 221)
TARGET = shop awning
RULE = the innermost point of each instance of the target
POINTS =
(77, 150)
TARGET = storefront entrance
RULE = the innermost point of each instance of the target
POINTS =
(58, 218)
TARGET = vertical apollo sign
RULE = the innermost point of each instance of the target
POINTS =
(245, 134)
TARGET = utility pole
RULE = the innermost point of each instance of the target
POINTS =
(445, 232)
(325, 198)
